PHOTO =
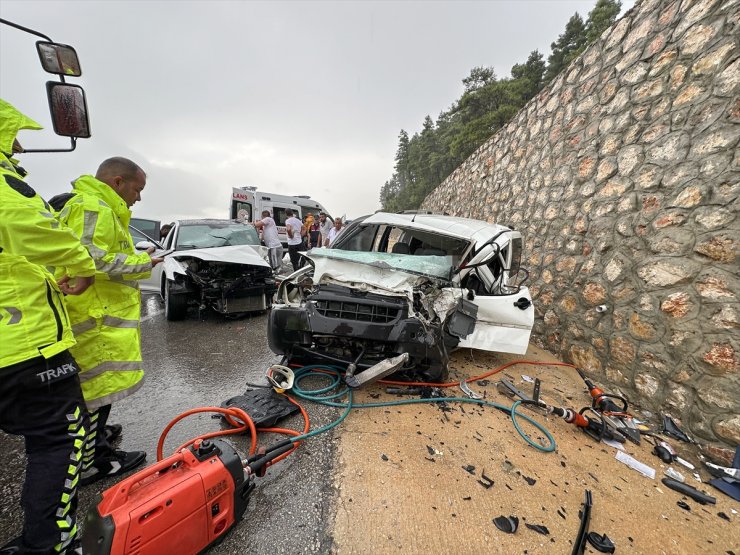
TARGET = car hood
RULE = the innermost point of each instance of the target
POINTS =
(395, 273)
(235, 254)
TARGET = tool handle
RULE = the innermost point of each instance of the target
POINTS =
(257, 465)
(123, 489)
(695, 494)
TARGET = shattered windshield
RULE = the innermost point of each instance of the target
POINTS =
(204, 235)
(433, 266)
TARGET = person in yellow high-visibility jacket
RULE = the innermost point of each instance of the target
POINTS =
(105, 319)
(40, 396)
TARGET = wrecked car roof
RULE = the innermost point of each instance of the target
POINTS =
(233, 254)
(464, 228)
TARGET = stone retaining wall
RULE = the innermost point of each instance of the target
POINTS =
(624, 176)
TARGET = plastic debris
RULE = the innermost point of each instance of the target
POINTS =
(508, 524)
(684, 462)
(683, 505)
(671, 428)
(634, 464)
(675, 474)
(600, 543)
(538, 528)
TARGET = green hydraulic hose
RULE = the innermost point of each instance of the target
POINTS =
(334, 374)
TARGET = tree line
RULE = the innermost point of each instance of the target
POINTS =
(487, 103)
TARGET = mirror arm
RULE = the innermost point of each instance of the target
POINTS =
(26, 29)
(73, 141)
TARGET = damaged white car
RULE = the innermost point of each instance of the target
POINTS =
(421, 284)
(216, 264)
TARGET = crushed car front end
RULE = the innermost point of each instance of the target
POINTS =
(351, 308)
(227, 280)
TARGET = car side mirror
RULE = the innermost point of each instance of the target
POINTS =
(59, 59)
(68, 110)
(144, 245)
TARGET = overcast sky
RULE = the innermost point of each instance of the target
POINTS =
(291, 97)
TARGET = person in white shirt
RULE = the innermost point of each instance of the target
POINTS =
(333, 232)
(271, 239)
(326, 226)
(293, 227)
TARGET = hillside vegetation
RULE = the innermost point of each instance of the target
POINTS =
(425, 159)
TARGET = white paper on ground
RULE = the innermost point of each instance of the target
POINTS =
(634, 464)
(612, 443)
(687, 464)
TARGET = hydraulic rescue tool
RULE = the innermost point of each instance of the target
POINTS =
(182, 504)
(613, 414)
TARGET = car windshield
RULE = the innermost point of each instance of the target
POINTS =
(203, 235)
(433, 266)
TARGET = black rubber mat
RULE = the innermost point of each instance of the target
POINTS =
(263, 405)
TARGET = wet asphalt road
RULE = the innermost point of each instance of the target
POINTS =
(202, 361)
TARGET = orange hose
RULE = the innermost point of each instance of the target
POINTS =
(476, 378)
(248, 424)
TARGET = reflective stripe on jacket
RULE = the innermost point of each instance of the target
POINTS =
(105, 318)
(33, 317)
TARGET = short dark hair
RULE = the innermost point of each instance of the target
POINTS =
(265, 213)
(289, 212)
(323, 214)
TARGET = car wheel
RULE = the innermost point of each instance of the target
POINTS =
(175, 304)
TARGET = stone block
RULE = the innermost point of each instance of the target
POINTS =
(722, 357)
(666, 272)
(697, 39)
(727, 82)
(679, 174)
(693, 11)
(629, 158)
(721, 248)
(679, 397)
(690, 196)
(714, 286)
(677, 305)
(638, 35)
(726, 318)
(647, 385)
(641, 328)
(712, 217)
(585, 358)
(607, 167)
(728, 429)
(711, 62)
(713, 391)
(668, 149)
(648, 177)
(656, 131)
(622, 350)
(715, 140)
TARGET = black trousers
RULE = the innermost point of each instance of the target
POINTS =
(295, 258)
(41, 400)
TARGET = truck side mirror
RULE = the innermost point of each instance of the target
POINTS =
(60, 59)
(68, 109)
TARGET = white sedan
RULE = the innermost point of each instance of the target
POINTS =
(211, 264)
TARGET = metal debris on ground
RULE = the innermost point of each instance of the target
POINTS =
(538, 528)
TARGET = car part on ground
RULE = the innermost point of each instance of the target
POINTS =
(405, 283)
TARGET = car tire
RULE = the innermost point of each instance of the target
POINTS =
(175, 304)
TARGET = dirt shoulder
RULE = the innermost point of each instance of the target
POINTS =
(403, 487)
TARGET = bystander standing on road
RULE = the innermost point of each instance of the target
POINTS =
(105, 319)
(271, 240)
(293, 227)
(334, 232)
(40, 395)
(314, 234)
(326, 225)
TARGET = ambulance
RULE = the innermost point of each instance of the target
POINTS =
(247, 204)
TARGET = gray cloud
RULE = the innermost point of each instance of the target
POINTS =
(292, 97)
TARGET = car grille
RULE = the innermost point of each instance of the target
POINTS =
(343, 310)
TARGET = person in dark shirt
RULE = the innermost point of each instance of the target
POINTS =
(314, 233)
